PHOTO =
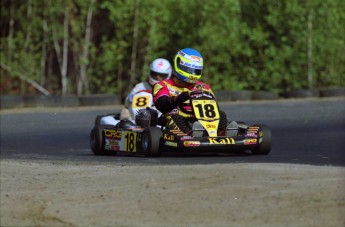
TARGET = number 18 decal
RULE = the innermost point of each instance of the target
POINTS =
(130, 141)
(205, 109)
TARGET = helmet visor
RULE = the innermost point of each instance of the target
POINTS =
(158, 76)
(190, 70)
(185, 68)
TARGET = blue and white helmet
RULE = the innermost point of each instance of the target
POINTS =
(188, 65)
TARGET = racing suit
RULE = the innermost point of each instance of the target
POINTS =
(143, 86)
(130, 108)
(170, 98)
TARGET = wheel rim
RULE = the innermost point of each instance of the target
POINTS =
(145, 142)
(93, 140)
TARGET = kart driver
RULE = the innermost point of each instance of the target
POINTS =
(168, 95)
(160, 69)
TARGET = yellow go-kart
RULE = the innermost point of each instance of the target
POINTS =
(149, 140)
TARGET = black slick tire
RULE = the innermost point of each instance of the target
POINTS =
(264, 147)
(97, 142)
(150, 141)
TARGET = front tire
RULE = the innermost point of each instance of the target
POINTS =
(150, 141)
(264, 147)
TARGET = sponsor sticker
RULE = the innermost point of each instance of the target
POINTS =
(191, 143)
(195, 58)
(249, 141)
(209, 126)
(221, 141)
(112, 133)
(114, 142)
(250, 135)
(172, 144)
(186, 137)
(169, 137)
(193, 77)
(112, 147)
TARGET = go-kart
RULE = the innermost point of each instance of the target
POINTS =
(144, 138)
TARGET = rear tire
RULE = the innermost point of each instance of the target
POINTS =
(150, 141)
(264, 147)
(98, 119)
(97, 142)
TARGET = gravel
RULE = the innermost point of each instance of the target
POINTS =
(41, 193)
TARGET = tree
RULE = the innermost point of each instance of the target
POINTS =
(105, 46)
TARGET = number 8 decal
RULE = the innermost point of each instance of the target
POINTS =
(140, 101)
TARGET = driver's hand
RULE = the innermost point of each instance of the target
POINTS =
(184, 96)
(125, 114)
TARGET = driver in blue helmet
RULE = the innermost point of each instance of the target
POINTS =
(170, 96)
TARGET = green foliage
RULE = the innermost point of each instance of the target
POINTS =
(254, 45)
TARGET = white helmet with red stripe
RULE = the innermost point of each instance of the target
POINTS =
(160, 69)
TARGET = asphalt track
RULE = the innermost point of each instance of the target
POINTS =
(305, 131)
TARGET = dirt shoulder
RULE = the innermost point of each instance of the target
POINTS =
(70, 194)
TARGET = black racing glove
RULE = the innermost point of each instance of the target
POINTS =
(184, 96)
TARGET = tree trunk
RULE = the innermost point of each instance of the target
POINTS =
(310, 47)
(44, 48)
(10, 33)
(84, 61)
(134, 44)
(28, 28)
(65, 53)
(119, 81)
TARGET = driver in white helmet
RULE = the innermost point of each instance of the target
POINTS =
(160, 69)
